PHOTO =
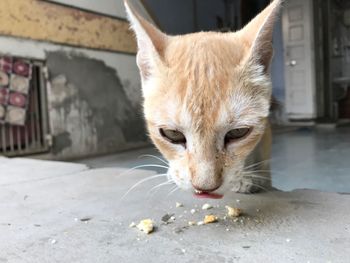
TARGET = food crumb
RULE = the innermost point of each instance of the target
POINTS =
(166, 218)
(132, 224)
(178, 205)
(191, 223)
(193, 211)
(183, 250)
(210, 219)
(178, 230)
(146, 226)
(288, 240)
(200, 223)
(207, 206)
(233, 212)
(85, 219)
(53, 241)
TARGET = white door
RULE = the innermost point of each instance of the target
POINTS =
(299, 59)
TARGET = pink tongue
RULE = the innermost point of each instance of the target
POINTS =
(209, 195)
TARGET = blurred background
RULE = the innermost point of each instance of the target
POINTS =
(70, 88)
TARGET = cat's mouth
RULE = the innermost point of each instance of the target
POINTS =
(211, 195)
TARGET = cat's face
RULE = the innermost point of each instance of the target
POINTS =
(206, 110)
(206, 99)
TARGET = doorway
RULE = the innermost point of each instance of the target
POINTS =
(317, 55)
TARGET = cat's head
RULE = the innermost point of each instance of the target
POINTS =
(206, 97)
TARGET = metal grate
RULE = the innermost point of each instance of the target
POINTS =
(31, 138)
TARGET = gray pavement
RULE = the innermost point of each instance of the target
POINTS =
(60, 212)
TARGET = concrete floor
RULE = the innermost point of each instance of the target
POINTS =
(312, 158)
(63, 212)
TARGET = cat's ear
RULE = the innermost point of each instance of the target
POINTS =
(151, 42)
(258, 34)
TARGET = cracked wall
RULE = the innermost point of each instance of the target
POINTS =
(90, 111)
(94, 95)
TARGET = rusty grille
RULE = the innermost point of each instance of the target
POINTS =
(32, 138)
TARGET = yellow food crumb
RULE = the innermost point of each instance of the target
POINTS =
(146, 226)
(233, 212)
(210, 219)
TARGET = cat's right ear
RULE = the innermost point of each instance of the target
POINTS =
(258, 35)
(150, 40)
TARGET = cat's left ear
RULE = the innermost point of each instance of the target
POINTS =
(150, 40)
(258, 34)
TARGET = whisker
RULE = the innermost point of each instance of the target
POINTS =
(263, 171)
(160, 185)
(256, 164)
(140, 182)
(256, 172)
(142, 166)
(153, 156)
(257, 176)
(173, 191)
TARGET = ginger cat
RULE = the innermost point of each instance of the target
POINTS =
(206, 103)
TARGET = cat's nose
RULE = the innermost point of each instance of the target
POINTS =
(206, 177)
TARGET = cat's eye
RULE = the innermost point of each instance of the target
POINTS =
(173, 136)
(236, 134)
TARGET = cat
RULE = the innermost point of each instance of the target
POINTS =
(206, 103)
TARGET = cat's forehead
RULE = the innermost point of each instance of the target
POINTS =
(204, 71)
(203, 85)
(205, 48)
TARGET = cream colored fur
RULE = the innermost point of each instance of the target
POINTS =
(205, 84)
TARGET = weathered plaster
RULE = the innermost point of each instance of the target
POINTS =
(122, 64)
(45, 21)
(109, 7)
(89, 106)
